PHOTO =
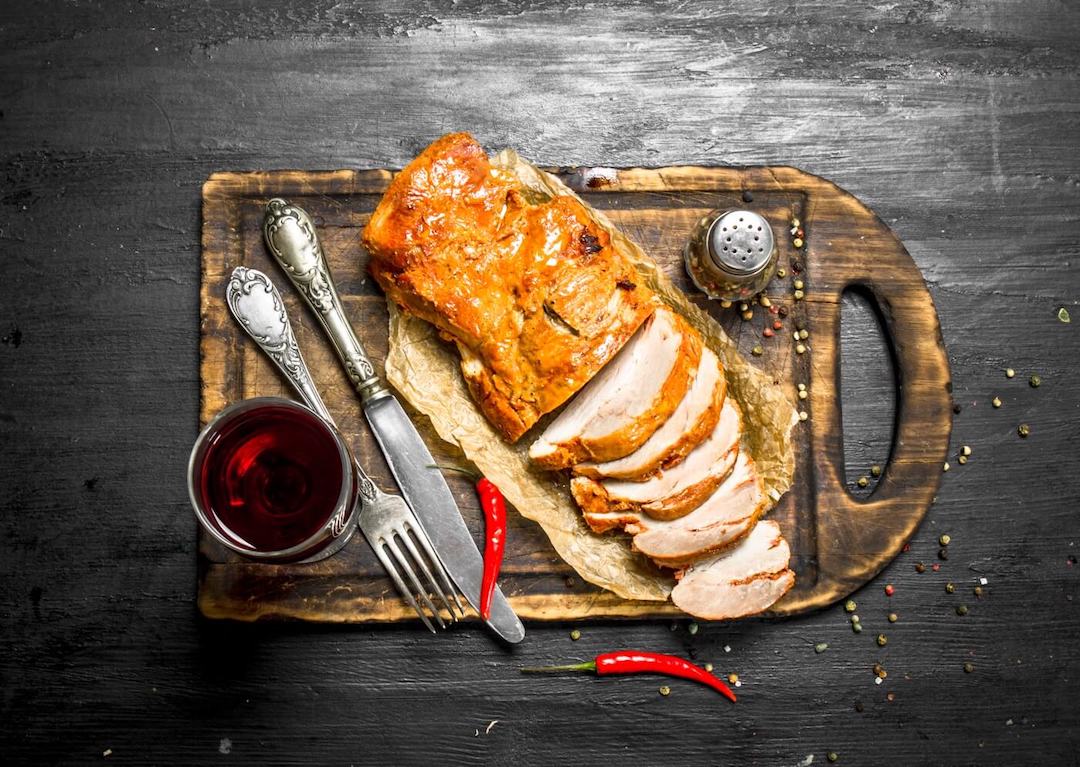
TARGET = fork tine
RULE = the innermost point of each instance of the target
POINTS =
(388, 564)
(403, 532)
(420, 590)
(437, 565)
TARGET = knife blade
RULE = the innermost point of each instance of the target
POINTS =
(292, 240)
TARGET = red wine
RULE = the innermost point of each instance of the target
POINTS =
(271, 478)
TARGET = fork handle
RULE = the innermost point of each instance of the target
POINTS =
(258, 307)
(291, 238)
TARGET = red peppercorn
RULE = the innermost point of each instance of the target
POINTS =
(774, 309)
(889, 590)
(768, 333)
(935, 567)
(777, 325)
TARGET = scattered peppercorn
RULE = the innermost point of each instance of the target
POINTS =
(1023, 430)
(882, 640)
(978, 592)
(965, 450)
(797, 242)
(746, 196)
(832, 756)
(1009, 372)
(800, 324)
(799, 295)
(969, 667)
(945, 539)
(935, 567)
(709, 667)
(890, 697)
(692, 628)
(777, 325)
(855, 619)
(803, 394)
(725, 304)
(1035, 382)
(879, 671)
(943, 553)
(856, 627)
(945, 466)
(795, 223)
(920, 567)
(800, 349)
(889, 589)
(875, 470)
(804, 334)
(803, 415)
(962, 460)
(733, 678)
(665, 690)
(950, 588)
(961, 610)
(748, 314)
(783, 312)
(764, 301)
(575, 635)
(862, 482)
(768, 332)
(757, 351)
(821, 647)
(893, 617)
(850, 605)
(956, 408)
(798, 285)
(996, 402)
(1063, 315)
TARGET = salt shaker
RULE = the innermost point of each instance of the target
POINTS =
(731, 255)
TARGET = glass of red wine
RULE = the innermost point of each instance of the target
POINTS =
(272, 481)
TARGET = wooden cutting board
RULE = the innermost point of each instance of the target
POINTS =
(838, 542)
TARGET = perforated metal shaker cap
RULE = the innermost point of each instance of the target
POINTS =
(740, 242)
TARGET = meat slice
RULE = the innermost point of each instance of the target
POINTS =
(677, 491)
(693, 421)
(724, 518)
(627, 401)
(742, 581)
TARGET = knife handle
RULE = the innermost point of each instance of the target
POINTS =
(291, 238)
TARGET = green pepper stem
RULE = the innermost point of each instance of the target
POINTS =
(586, 666)
(473, 475)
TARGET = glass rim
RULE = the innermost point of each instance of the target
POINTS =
(198, 451)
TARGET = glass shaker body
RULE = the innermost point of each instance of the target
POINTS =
(731, 255)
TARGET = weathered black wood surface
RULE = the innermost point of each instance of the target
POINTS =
(958, 122)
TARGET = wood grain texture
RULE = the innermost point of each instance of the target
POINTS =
(838, 541)
(956, 120)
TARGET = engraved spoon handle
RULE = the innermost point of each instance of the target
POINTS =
(257, 306)
(291, 238)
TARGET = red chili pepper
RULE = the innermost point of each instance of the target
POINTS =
(639, 662)
(493, 505)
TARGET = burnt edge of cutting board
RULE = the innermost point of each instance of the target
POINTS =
(839, 543)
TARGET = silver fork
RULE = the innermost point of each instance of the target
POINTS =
(386, 520)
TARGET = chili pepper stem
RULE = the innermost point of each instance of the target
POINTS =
(473, 475)
(586, 666)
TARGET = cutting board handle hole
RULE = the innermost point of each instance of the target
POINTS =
(868, 389)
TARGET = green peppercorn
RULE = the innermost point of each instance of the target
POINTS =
(781, 273)
(996, 402)
(798, 284)
(944, 540)
(799, 295)
(821, 647)
(1035, 382)
(1023, 430)
(893, 617)
(875, 470)
(797, 242)
(1009, 372)
(764, 301)
(863, 482)
(969, 667)
(962, 460)
(800, 349)
(856, 627)
(803, 415)
(961, 610)
(832, 756)
(882, 640)
(709, 667)
(803, 394)
(692, 628)
(665, 690)
(804, 334)
(757, 351)
(950, 588)
(850, 605)
(575, 635)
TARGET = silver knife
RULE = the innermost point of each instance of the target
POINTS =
(291, 238)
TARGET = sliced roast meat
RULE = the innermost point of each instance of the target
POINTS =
(692, 421)
(742, 581)
(628, 400)
(724, 518)
(674, 492)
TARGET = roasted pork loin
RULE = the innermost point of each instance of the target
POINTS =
(532, 292)
(628, 401)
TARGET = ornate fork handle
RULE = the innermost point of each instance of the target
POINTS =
(290, 235)
(258, 307)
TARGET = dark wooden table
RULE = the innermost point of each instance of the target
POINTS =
(959, 122)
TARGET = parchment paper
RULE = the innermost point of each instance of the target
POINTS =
(426, 372)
